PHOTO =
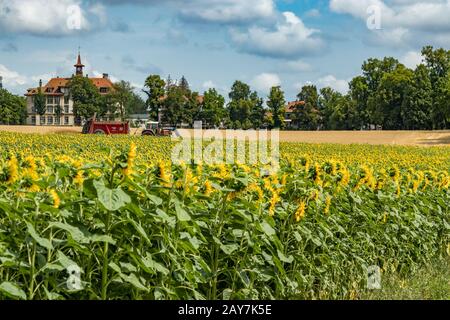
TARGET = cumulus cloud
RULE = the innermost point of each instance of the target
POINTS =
(214, 11)
(289, 39)
(403, 22)
(48, 17)
(412, 59)
(265, 81)
(334, 83)
(12, 78)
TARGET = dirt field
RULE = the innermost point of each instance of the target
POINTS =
(417, 138)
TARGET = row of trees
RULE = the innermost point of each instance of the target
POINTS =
(387, 94)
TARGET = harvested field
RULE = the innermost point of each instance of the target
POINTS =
(412, 138)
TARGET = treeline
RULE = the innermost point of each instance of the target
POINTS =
(13, 109)
(387, 95)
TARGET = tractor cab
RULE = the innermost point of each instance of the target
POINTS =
(152, 128)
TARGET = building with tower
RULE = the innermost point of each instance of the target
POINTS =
(58, 100)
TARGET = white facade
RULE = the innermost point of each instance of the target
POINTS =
(51, 118)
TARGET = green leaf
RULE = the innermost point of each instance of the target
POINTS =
(283, 258)
(111, 199)
(229, 248)
(12, 291)
(102, 238)
(41, 241)
(267, 229)
(75, 232)
(64, 260)
(182, 215)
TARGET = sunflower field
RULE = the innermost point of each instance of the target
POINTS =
(94, 217)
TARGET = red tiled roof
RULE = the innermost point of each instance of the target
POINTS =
(291, 106)
(55, 84)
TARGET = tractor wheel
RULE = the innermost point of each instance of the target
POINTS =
(148, 133)
(99, 131)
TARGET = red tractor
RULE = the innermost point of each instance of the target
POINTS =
(100, 127)
(152, 128)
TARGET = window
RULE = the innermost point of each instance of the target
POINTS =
(42, 120)
(66, 109)
(66, 120)
(49, 100)
(56, 100)
(57, 120)
(33, 109)
(33, 120)
(103, 90)
(49, 109)
(66, 100)
(50, 120)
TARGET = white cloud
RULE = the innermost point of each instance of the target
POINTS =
(12, 78)
(334, 83)
(313, 13)
(289, 39)
(208, 85)
(47, 17)
(298, 66)
(265, 81)
(402, 22)
(326, 81)
(412, 59)
(227, 11)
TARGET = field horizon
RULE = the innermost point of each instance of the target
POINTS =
(389, 137)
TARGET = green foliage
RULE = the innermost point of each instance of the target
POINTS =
(155, 92)
(307, 116)
(86, 99)
(276, 104)
(213, 111)
(12, 108)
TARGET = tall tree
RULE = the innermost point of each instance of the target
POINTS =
(277, 106)
(213, 111)
(86, 98)
(418, 101)
(122, 97)
(156, 90)
(388, 99)
(184, 84)
(39, 101)
(307, 115)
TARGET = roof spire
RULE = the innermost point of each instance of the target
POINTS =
(79, 66)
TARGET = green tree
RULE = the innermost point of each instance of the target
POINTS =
(418, 101)
(156, 90)
(257, 113)
(388, 100)
(307, 115)
(277, 106)
(39, 101)
(174, 105)
(122, 96)
(213, 111)
(12, 108)
(329, 100)
(86, 99)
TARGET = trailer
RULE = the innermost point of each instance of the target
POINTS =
(102, 127)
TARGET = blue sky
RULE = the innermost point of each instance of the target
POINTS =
(214, 42)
